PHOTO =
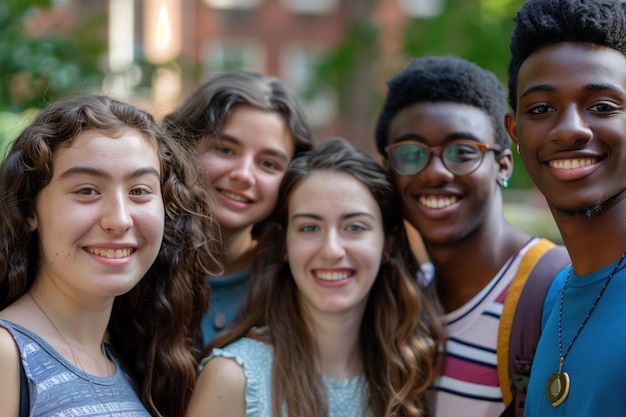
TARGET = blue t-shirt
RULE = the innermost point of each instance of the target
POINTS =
(595, 363)
(227, 293)
(346, 397)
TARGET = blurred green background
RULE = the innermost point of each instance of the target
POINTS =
(40, 63)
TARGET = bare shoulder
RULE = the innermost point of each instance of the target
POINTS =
(220, 390)
(10, 375)
(9, 354)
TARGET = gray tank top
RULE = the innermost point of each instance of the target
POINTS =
(58, 388)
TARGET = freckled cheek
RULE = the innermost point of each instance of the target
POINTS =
(52, 258)
(63, 255)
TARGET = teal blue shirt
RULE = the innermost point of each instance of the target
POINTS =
(595, 363)
(346, 397)
(226, 295)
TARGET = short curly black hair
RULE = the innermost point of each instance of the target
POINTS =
(444, 78)
(544, 22)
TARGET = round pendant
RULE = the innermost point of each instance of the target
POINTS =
(557, 388)
(219, 321)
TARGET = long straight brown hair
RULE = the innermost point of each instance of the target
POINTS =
(400, 334)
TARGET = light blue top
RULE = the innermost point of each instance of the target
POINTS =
(346, 398)
(58, 388)
(226, 295)
(595, 363)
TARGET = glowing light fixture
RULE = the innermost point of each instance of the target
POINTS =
(162, 30)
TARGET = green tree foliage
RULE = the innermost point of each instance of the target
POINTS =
(37, 70)
(477, 30)
(357, 51)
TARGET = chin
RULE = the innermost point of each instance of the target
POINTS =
(590, 210)
(120, 288)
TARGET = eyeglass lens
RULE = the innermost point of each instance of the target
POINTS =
(458, 157)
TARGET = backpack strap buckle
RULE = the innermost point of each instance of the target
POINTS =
(520, 382)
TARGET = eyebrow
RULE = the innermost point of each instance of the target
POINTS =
(274, 152)
(588, 87)
(537, 89)
(464, 135)
(409, 137)
(450, 137)
(343, 217)
(94, 172)
(603, 87)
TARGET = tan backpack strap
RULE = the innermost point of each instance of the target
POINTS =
(527, 264)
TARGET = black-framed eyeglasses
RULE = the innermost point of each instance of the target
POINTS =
(461, 157)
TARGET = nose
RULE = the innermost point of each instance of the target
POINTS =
(244, 171)
(332, 246)
(571, 127)
(435, 172)
(116, 214)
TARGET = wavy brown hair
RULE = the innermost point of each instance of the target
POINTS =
(400, 333)
(151, 328)
(206, 111)
(204, 114)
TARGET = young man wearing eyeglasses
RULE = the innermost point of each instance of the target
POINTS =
(441, 134)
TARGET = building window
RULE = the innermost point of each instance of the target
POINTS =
(297, 68)
(315, 7)
(233, 4)
(234, 55)
(422, 8)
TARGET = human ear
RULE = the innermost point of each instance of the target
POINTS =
(32, 222)
(510, 124)
(388, 249)
(505, 166)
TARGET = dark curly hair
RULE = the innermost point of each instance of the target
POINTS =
(444, 78)
(543, 22)
(151, 327)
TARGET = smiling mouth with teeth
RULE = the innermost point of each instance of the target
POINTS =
(235, 197)
(111, 253)
(435, 202)
(332, 276)
(573, 163)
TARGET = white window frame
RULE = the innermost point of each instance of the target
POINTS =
(249, 54)
(312, 7)
(233, 4)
